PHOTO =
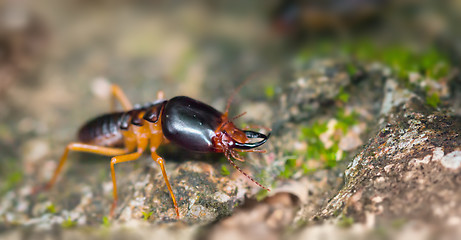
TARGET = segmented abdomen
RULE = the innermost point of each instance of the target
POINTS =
(103, 131)
(106, 130)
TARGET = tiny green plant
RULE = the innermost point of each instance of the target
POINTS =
(433, 100)
(269, 91)
(12, 179)
(105, 221)
(68, 223)
(345, 221)
(345, 121)
(343, 96)
(50, 208)
(316, 149)
(290, 168)
(146, 215)
(261, 195)
(224, 171)
(403, 59)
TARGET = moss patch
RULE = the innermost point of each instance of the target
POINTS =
(329, 155)
(403, 59)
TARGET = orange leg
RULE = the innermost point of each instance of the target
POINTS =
(235, 155)
(81, 147)
(161, 162)
(155, 141)
(142, 143)
(118, 94)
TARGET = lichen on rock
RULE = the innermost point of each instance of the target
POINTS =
(409, 170)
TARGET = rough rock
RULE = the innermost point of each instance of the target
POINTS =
(410, 170)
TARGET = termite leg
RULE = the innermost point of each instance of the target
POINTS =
(236, 156)
(117, 94)
(154, 143)
(161, 162)
(81, 147)
(142, 143)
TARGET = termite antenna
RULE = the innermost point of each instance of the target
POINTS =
(242, 172)
(231, 98)
(228, 121)
(241, 114)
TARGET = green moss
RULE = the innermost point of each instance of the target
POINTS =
(320, 48)
(331, 156)
(316, 150)
(269, 91)
(224, 171)
(51, 209)
(398, 223)
(342, 96)
(315, 147)
(434, 63)
(261, 194)
(433, 100)
(402, 58)
(12, 179)
(68, 223)
(351, 69)
(337, 212)
(146, 215)
(345, 121)
(105, 221)
(307, 170)
(290, 168)
(345, 221)
(313, 131)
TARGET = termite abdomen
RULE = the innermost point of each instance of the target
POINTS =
(103, 130)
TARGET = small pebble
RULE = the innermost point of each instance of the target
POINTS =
(452, 160)
(100, 87)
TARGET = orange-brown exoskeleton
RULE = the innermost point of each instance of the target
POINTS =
(181, 120)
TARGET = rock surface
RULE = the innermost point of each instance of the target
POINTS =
(410, 171)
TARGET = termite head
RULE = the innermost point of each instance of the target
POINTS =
(229, 137)
(199, 127)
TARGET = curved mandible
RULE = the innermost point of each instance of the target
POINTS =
(252, 134)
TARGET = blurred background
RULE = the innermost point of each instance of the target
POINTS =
(57, 58)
